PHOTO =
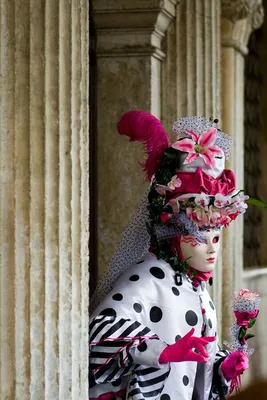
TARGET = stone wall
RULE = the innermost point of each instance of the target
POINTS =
(129, 68)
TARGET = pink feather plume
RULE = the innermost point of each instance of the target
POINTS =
(143, 127)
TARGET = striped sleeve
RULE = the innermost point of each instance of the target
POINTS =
(120, 347)
(220, 386)
(147, 382)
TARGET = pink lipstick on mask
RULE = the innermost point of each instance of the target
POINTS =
(211, 259)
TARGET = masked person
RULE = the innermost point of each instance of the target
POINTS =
(153, 327)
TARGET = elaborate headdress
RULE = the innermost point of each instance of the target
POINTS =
(190, 190)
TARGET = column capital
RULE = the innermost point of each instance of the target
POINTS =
(239, 19)
(132, 27)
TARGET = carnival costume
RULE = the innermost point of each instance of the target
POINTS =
(153, 327)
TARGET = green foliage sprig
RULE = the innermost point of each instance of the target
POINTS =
(171, 162)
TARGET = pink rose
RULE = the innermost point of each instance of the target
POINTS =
(247, 294)
(243, 318)
(165, 217)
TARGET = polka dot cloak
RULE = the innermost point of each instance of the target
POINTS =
(147, 293)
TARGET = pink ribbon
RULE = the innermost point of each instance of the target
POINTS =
(110, 395)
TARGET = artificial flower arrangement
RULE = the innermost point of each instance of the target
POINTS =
(246, 309)
(208, 211)
(172, 213)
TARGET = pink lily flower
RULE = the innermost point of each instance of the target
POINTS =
(200, 146)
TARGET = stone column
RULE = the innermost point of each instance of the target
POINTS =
(239, 18)
(198, 82)
(198, 58)
(129, 57)
(44, 202)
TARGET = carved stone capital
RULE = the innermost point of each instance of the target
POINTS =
(235, 10)
(131, 27)
(239, 19)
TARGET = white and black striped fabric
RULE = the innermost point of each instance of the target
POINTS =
(220, 386)
(116, 346)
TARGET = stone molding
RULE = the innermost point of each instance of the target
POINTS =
(132, 28)
(239, 19)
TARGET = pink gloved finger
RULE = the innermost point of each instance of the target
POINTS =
(207, 339)
(201, 348)
(197, 357)
(189, 334)
(182, 350)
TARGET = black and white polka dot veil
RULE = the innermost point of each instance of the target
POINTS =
(133, 246)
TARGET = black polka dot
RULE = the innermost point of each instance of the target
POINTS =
(210, 323)
(117, 382)
(157, 272)
(211, 305)
(142, 347)
(195, 289)
(215, 334)
(137, 307)
(201, 301)
(109, 311)
(117, 297)
(191, 318)
(140, 262)
(175, 291)
(134, 278)
(165, 397)
(177, 337)
(185, 380)
(155, 314)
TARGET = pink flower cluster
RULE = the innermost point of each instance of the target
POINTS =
(224, 210)
(246, 307)
(174, 183)
(212, 216)
(245, 294)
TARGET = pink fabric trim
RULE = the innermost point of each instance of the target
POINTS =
(200, 276)
(235, 384)
(200, 182)
(110, 395)
(144, 338)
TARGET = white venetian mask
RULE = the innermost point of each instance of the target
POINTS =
(201, 256)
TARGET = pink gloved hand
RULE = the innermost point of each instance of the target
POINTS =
(234, 364)
(183, 349)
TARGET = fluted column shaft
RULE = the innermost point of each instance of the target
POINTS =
(44, 200)
(198, 79)
(198, 56)
(239, 18)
